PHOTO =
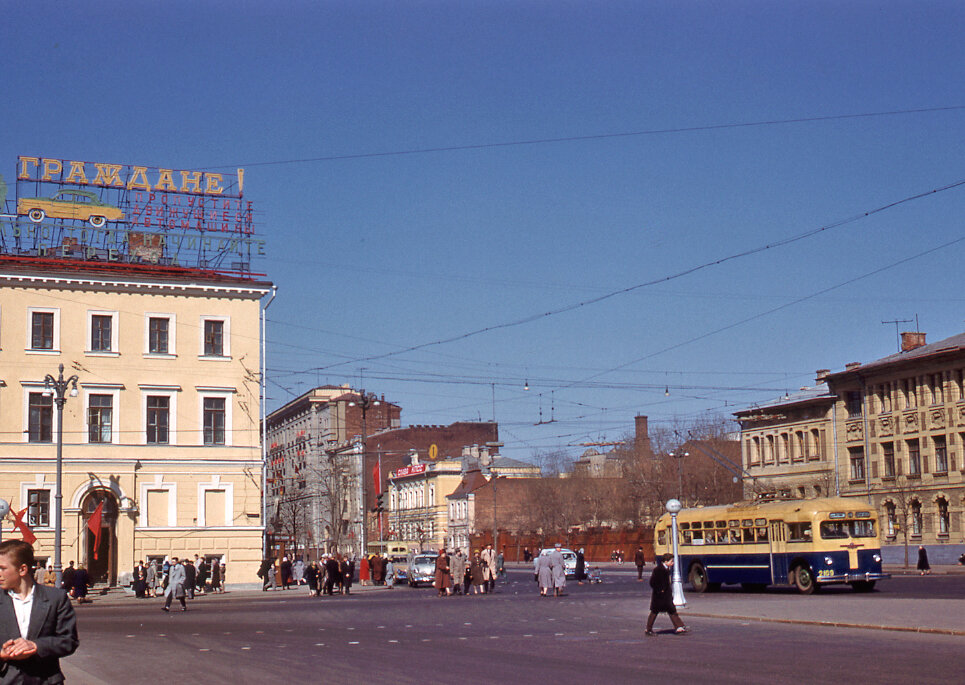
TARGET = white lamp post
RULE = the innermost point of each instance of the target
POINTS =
(58, 388)
(673, 507)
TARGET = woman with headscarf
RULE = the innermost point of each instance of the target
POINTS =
(443, 579)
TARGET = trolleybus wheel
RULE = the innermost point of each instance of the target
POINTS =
(804, 580)
(698, 578)
(863, 585)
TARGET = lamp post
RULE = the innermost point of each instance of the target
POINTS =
(58, 388)
(363, 403)
(673, 507)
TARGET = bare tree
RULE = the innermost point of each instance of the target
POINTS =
(291, 518)
(902, 497)
(331, 483)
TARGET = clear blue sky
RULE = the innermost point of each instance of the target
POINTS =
(374, 254)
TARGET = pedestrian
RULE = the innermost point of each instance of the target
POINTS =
(544, 574)
(488, 557)
(67, 579)
(478, 574)
(190, 577)
(501, 564)
(348, 574)
(80, 583)
(50, 575)
(140, 580)
(558, 567)
(662, 598)
(376, 570)
(298, 572)
(152, 578)
(175, 588)
(364, 572)
(527, 557)
(458, 564)
(443, 577)
(332, 574)
(286, 572)
(580, 571)
(923, 567)
(311, 577)
(31, 649)
(389, 573)
(639, 560)
(215, 575)
(202, 574)
(267, 574)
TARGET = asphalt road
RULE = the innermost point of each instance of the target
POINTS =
(594, 634)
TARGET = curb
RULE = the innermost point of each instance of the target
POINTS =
(834, 624)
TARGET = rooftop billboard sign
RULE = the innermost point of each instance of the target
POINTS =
(128, 213)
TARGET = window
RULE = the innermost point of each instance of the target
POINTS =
(888, 449)
(158, 414)
(817, 449)
(941, 455)
(100, 333)
(943, 518)
(157, 335)
(916, 521)
(38, 508)
(914, 458)
(214, 420)
(853, 403)
(911, 399)
(857, 463)
(100, 410)
(799, 532)
(214, 338)
(938, 389)
(42, 331)
(892, 520)
(40, 417)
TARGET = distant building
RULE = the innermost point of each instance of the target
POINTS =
(786, 444)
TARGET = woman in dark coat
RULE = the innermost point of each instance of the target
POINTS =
(477, 569)
(662, 599)
(311, 577)
(443, 579)
(215, 576)
(923, 566)
(580, 567)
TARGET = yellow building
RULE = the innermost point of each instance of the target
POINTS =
(164, 429)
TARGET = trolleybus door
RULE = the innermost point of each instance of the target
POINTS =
(778, 552)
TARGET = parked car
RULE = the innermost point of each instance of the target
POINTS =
(569, 560)
(423, 569)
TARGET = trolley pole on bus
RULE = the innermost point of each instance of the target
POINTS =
(673, 507)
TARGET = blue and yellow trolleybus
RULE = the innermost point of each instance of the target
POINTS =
(805, 543)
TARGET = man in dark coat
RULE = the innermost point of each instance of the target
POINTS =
(286, 572)
(662, 599)
(639, 560)
(333, 574)
(31, 650)
(67, 579)
(190, 578)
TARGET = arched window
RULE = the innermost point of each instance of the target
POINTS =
(943, 518)
(916, 521)
(891, 516)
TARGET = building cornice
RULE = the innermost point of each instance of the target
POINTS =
(112, 283)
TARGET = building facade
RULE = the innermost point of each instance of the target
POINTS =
(901, 437)
(786, 445)
(163, 431)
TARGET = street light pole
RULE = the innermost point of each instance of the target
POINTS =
(674, 506)
(363, 403)
(58, 388)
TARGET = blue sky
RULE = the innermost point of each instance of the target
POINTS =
(374, 253)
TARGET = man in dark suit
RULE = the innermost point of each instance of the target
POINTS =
(37, 624)
(662, 599)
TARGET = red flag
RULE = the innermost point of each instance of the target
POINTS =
(20, 524)
(377, 478)
(94, 523)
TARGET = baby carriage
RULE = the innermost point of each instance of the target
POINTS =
(594, 574)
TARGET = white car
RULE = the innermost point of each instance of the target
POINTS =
(569, 559)
(423, 569)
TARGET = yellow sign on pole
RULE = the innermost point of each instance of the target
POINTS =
(433, 452)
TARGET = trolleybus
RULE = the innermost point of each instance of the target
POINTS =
(805, 543)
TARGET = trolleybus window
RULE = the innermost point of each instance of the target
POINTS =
(799, 532)
(836, 530)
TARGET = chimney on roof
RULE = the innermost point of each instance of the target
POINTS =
(851, 366)
(911, 340)
(821, 375)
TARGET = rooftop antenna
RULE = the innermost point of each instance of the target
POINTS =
(897, 331)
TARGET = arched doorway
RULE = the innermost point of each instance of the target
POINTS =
(101, 562)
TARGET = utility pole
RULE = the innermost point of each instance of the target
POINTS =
(897, 330)
(364, 402)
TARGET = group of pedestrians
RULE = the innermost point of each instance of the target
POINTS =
(181, 579)
(550, 572)
(457, 573)
(377, 569)
(330, 575)
(74, 581)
